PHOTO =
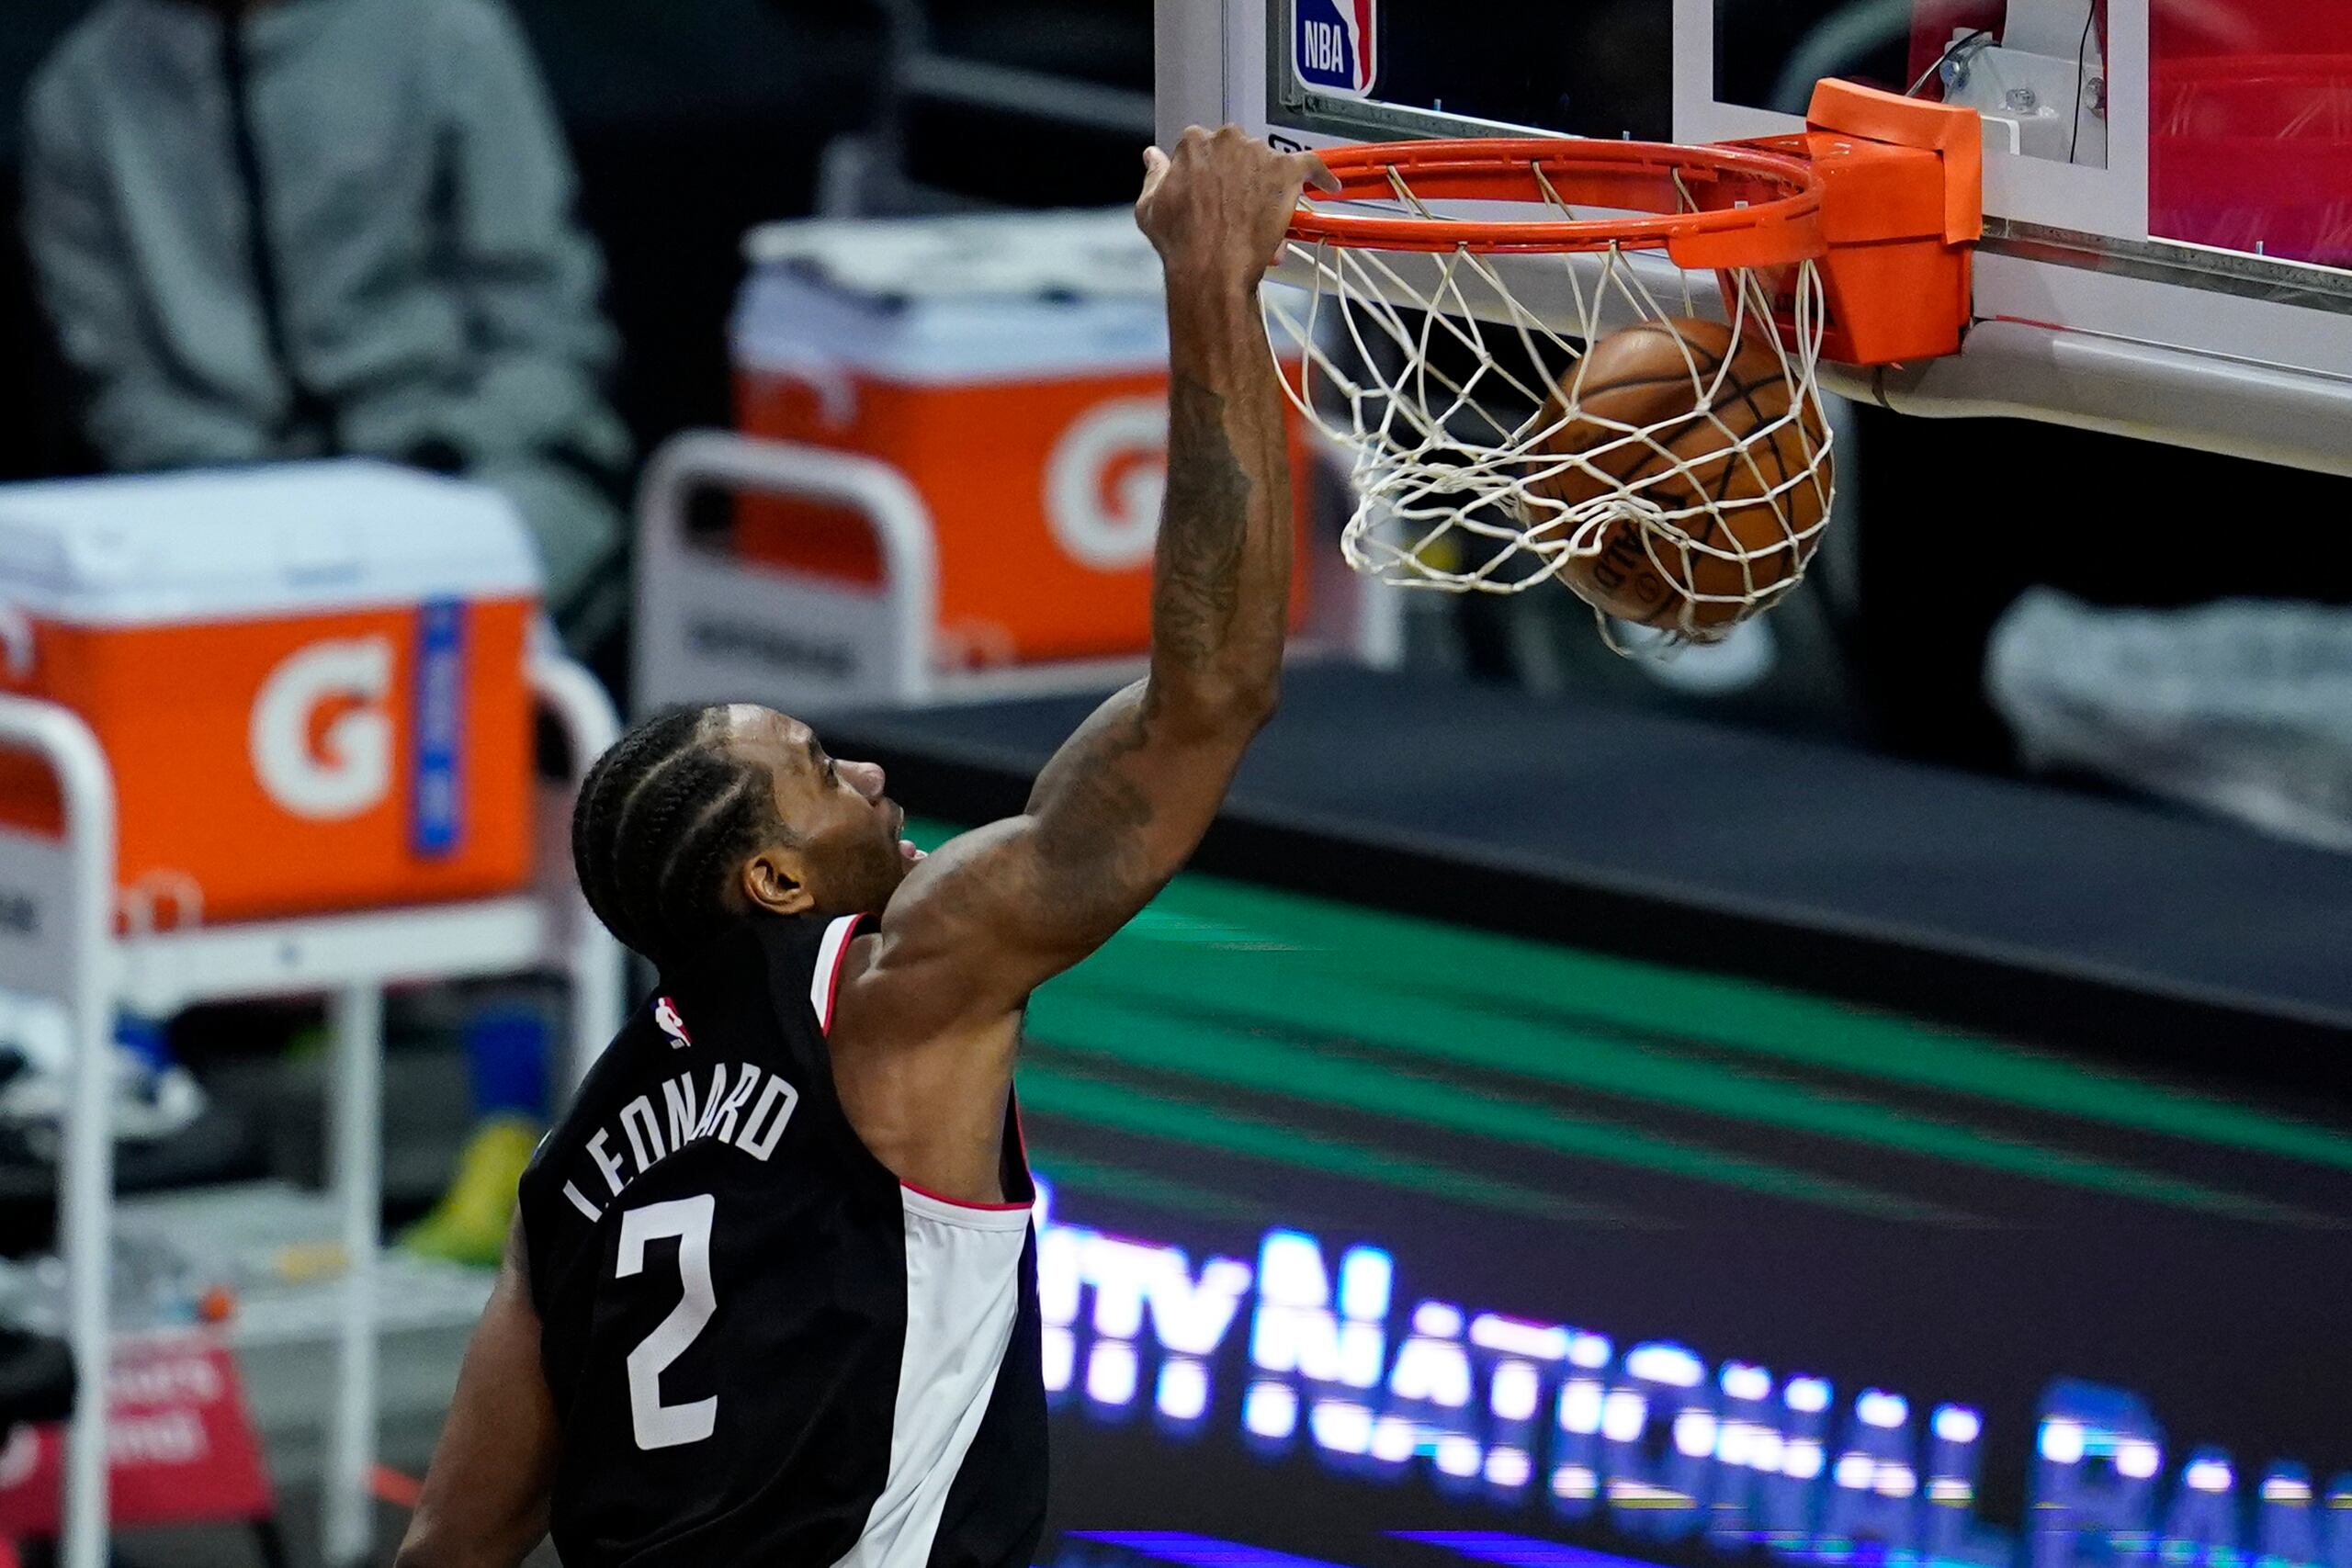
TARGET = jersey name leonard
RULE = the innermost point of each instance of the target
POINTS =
(737, 1104)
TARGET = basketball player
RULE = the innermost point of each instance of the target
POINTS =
(769, 1298)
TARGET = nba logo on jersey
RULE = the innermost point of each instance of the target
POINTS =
(1332, 44)
(665, 1016)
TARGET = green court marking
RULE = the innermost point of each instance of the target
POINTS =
(1052, 1090)
(1743, 1015)
(1069, 1172)
(1073, 1022)
(1304, 1001)
(1283, 935)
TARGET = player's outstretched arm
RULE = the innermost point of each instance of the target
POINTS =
(1126, 800)
(485, 1502)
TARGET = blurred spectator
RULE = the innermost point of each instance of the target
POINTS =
(280, 228)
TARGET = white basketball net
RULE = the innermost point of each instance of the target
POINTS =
(1449, 446)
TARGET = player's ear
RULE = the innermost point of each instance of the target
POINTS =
(774, 880)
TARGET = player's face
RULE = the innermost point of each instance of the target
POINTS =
(847, 849)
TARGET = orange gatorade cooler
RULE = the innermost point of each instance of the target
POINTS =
(1014, 368)
(308, 680)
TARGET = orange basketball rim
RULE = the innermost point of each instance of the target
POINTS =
(1884, 193)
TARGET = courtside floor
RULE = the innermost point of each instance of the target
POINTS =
(1597, 1150)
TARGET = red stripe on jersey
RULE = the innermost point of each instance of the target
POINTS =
(958, 1203)
(833, 982)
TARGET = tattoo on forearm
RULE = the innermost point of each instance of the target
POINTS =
(1092, 816)
(1203, 529)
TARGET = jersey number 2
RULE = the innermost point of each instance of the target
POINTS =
(660, 1426)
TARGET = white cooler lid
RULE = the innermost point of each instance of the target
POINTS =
(998, 297)
(1095, 254)
(225, 543)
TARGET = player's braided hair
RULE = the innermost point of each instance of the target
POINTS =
(663, 818)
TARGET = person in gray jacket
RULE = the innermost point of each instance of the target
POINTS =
(267, 229)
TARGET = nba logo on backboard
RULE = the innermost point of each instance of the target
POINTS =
(1332, 44)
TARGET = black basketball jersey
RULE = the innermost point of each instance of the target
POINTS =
(764, 1347)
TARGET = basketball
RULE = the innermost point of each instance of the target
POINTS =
(1750, 529)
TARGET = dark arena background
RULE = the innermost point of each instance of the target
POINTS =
(1871, 1091)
